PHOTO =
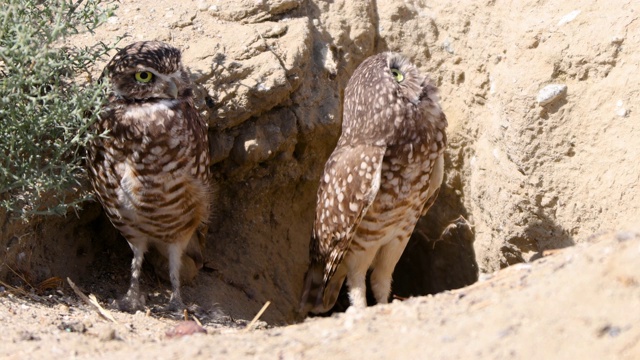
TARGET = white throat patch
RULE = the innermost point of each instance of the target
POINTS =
(145, 110)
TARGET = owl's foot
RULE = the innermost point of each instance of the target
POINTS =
(131, 302)
(355, 311)
(175, 304)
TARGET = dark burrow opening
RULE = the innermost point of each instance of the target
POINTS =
(439, 257)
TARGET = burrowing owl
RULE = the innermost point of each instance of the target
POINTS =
(151, 172)
(382, 176)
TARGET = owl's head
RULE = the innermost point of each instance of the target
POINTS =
(148, 70)
(403, 76)
(385, 89)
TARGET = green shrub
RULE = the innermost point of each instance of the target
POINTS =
(47, 103)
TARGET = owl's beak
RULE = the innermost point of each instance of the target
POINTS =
(172, 90)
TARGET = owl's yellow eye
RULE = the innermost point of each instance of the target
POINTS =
(397, 74)
(144, 76)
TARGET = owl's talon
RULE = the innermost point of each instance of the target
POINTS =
(131, 303)
(175, 305)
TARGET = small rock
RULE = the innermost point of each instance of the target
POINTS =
(621, 110)
(78, 327)
(185, 328)
(28, 336)
(447, 46)
(625, 235)
(569, 17)
(617, 40)
(250, 145)
(203, 6)
(163, 35)
(184, 21)
(610, 330)
(328, 60)
(276, 31)
(551, 93)
(107, 334)
(113, 20)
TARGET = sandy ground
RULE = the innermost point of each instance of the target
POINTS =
(580, 303)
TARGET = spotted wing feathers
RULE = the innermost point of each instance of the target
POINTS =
(347, 188)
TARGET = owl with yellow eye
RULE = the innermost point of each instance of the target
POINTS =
(384, 173)
(151, 170)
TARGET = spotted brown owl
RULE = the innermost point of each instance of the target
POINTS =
(384, 173)
(151, 171)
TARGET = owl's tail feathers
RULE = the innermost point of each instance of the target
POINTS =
(319, 297)
(313, 291)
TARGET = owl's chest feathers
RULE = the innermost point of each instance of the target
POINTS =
(150, 134)
(153, 159)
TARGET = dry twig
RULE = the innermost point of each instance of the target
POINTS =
(14, 290)
(92, 301)
(255, 318)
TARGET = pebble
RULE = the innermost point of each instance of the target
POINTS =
(447, 46)
(621, 110)
(107, 334)
(551, 93)
(617, 40)
(276, 31)
(203, 6)
(569, 17)
(28, 336)
(77, 327)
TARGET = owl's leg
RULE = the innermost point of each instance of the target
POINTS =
(357, 265)
(133, 300)
(175, 262)
(383, 267)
